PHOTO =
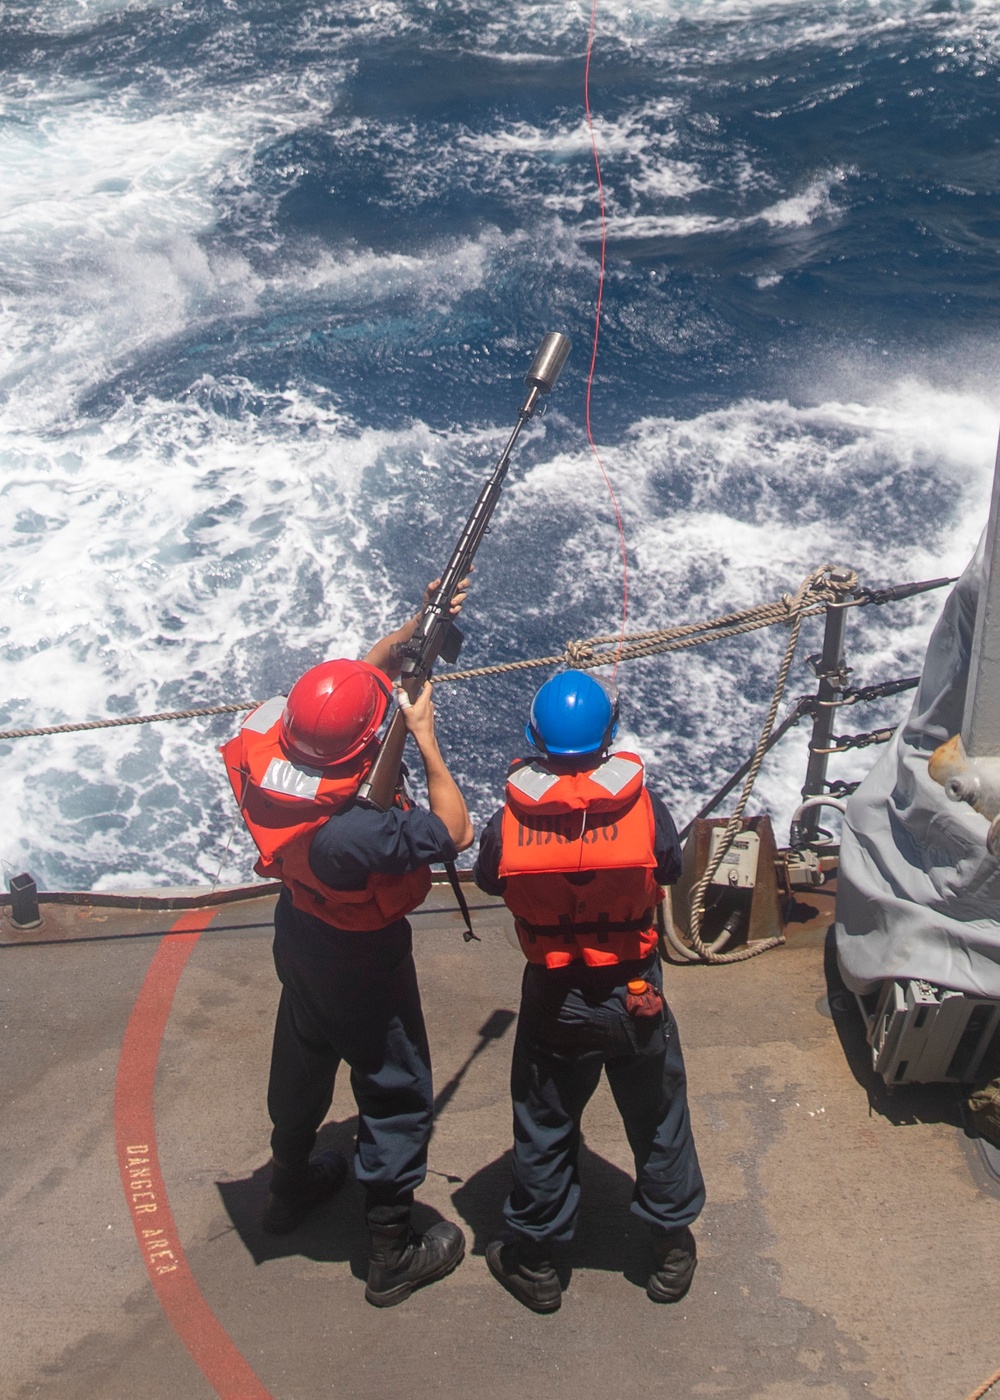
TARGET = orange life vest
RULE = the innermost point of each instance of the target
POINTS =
(578, 856)
(284, 804)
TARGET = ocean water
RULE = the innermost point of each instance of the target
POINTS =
(271, 275)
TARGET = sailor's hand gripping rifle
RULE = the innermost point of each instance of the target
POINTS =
(436, 635)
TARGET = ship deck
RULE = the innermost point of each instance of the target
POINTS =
(847, 1250)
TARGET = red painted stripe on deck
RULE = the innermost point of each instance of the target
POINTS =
(193, 1320)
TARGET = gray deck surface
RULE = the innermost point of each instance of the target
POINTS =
(849, 1247)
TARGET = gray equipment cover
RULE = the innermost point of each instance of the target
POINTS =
(918, 894)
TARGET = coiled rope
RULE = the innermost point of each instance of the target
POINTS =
(833, 588)
(821, 587)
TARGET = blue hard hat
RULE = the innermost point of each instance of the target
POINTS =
(573, 713)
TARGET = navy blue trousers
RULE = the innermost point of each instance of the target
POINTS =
(573, 1024)
(351, 997)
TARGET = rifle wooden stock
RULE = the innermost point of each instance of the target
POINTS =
(379, 787)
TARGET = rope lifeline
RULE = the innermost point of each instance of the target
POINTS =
(236, 709)
(583, 654)
(816, 591)
(980, 1391)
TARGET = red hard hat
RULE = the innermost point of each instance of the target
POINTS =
(334, 711)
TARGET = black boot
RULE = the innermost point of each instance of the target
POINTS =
(525, 1270)
(676, 1259)
(399, 1261)
(296, 1189)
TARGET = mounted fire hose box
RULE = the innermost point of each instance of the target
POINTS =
(742, 900)
(737, 869)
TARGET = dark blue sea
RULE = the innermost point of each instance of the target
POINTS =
(270, 278)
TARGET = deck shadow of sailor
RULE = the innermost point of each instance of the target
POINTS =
(903, 1104)
(333, 1232)
(608, 1236)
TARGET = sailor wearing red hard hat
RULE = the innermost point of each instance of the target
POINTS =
(580, 852)
(343, 948)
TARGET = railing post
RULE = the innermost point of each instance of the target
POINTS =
(832, 675)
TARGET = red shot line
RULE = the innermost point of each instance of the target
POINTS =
(597, 330)
(209, 1344)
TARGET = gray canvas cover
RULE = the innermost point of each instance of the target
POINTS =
(918, 894)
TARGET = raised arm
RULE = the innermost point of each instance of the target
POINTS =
(444, 797)
(387, 653)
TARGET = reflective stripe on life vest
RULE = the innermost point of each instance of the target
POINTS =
(284, 804)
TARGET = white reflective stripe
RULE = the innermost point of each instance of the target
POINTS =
(292, 779)
(532, 781)
(615, 773)
(259, 721)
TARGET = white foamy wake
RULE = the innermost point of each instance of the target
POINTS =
(105, 239)
(173, 556)
(651, 190)
(104, 211)
(700, 36)
(240, 548)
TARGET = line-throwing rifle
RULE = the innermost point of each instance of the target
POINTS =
(436, 634)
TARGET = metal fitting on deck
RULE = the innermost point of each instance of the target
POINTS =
(24, 911)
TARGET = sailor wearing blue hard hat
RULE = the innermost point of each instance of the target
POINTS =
(573, 713)
(580, 852)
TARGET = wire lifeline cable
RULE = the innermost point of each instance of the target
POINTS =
(597, 332)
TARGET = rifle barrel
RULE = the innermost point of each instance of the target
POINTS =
(379, 788)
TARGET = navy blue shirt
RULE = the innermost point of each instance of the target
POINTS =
(355, 843)
(361, 841)
(666, 849)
